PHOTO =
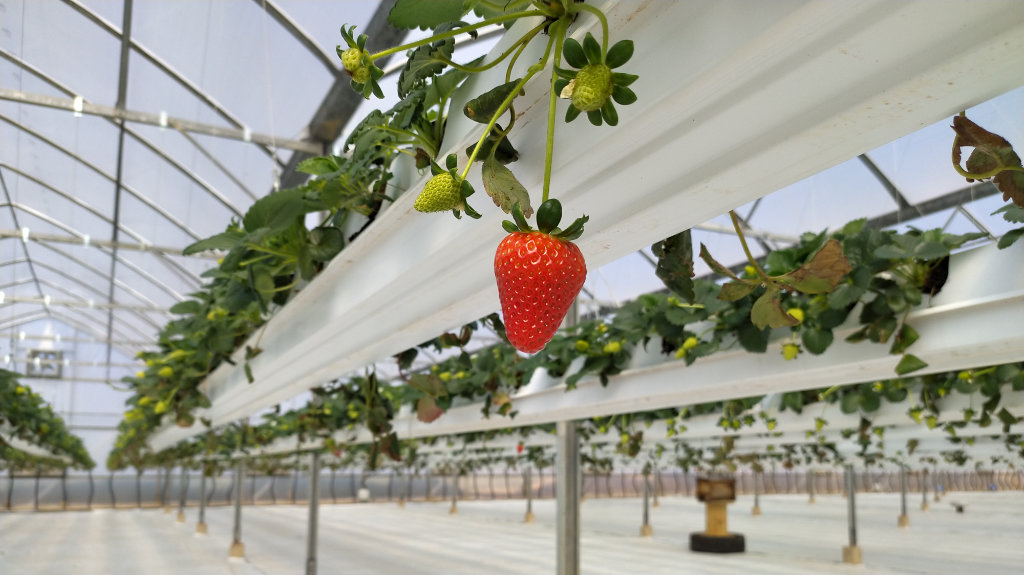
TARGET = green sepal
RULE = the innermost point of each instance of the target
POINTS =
(465, 189)
(575, 229)
(509, 227)
(566, 74)
(609, 114)
(592, 49)
(435, 169)
(623, 95)
(451, 162)
(517, 215)
(618, 54)
(560, 85)
(595, 117)
(573, 53)
(549, 214)
(621, 79)
(571, 113)
(470, 211)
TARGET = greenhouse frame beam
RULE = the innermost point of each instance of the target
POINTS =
(161, 120)
(955, 198)
(60, 339)
(46, 300)
(799, 116)
(300, 35)
(67, 319)
(166, 68)
(87, 241)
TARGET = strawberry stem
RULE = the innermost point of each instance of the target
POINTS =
(746, 249)
(549, 147)
(456, 32)
(604, 25)
(532, 71)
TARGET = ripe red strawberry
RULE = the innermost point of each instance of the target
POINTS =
(539, 274)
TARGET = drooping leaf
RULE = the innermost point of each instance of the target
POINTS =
(909, 363)
(1010, 237)
(482, 108)
(732, 290)
(850, 403)
(822, 272)
(506, 152)
(675, 264)
(991, 152)
(905, 337)
(767, 310)
(503, 187)
(222, 241)
(714, 265)
(428, 384)
(427, 410)
(325, 243)
(424, 14)
(753, 339)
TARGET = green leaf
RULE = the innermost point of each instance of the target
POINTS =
(275, 211)
(424, 62)
(675, 264)
(318, 166)
(1006, 417)
(909, 363)
(732, 291)
(930, 250)
(506, 153)
(187, 307)
(844, 295)
(850, 403)
(428, 384)
(1010, 237)
(767, 310)
(424, 14)
(753, 339)
(503, 187)
(222, 241)
(325, 243)
(816, 340)
(1011, 213)
(442, 86)
(905, 337)
(482, 108)
(869, 400)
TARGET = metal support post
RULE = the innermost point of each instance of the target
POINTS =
(851, 552)
(455, 495)
(201, 526)
(924, 490)
(295, 484)
(64, 489)
(810, 485)
(92, 491)
(757, 497)
(567, 504)
(181, 495)
(528, 491)
(314, 514)
(645, 529)
(10, 488)
(163, 493)
(657, 488)
(237, 547)
(904, 519)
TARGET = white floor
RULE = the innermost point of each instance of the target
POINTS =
(791, 537)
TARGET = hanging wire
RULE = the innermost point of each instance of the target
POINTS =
(270, 97)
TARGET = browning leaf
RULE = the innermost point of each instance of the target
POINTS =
(503, 187)
(675, 264)
(991, 151)
(822, 273)
(427, 410)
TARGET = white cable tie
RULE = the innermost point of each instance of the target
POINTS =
(24, 234)
(92, 304)
(163, 119)
(77, 106)
(67, 362)
(85, 240)
(47, 300)
(247, 134)
(3, 296)
(37, 362)
(21, 336)
(56, 338)
(7, 359)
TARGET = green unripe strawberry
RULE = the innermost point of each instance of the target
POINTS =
(352, 59)
(797, 314)
(440, 194)
(790, 351)
(582, 345)
(612, 347)
(166, 371)
(592, 87)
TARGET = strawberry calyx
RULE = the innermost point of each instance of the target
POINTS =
(447, 190)
(357, 63)
(549, 215)
(593, 88)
